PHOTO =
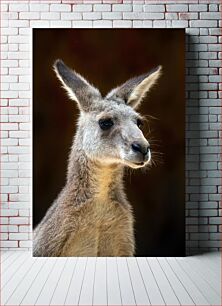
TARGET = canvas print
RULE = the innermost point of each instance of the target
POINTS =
(108, 135)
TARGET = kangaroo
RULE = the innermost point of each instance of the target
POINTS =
(92, 216)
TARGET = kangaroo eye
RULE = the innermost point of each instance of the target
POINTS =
(139, 123)
(105, 124)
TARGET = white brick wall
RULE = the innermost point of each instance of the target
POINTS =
(203, 78)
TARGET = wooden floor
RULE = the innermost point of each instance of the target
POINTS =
(110, 281)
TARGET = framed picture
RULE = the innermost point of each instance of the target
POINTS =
(109, 157)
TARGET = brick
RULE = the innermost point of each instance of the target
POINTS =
(29, 15)
(9, 63)
(193, 31)
(60, 23)
(171, 16)
(215, 63)
(177, 8)
(199, 236)
(3, 220)
(209, 228)
(208, 16)
(43, 7)
(9, 244)
(102, 24)
(93, 15)
(19, 102)
(122, 23)
(18, 149)
(4, 228)
(180, 23)
(12, 158)
(191, 220)
(210, 244)
(19, 118)
(215, 78)
(134, 15)
(18, 23)
(216, 31)
(4, 236)
(9, 31)
(208, 212)
(18, 7)
(102, 7)
(138, 23)
(24, 212)
(154, 8)
(214, 47)
(198, 7)
(4, 7)
(52, 16)
(147, 24)
(9, 142)
(112, 15)
(122, 7)
(25, 244)
(208, 205)
(213, 7)
(4, 182)
(203, 23)
(24, 157)
(137, 7)
(82, 7)
(9, 78)
(19, 71)
(162, 24)
(208, 39)
(18, 220)
(24, 47)
(18, 236)
(9, 126)
(82, 24)
(214, 197)
(215, 236)
(71, 16)
(9, 212)
(24, 229)
(24, 189)
(39, 24)
(60, 7)
(9, 173)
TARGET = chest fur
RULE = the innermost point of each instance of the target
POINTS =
(99, 221)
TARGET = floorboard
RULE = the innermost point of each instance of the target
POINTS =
(181, 293)
(100, 283)
(126, 289)
(152, 288)
(86, 294)
(210, 294)
(28, 280)
(165, 287)
(113, 285)
(63, 284)
(188, 283)
(137, 282)
(75, 286)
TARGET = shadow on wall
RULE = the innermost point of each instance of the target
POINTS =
(195, 225)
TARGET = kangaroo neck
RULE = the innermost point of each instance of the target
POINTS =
(90, 179)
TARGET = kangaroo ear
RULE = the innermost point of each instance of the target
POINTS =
(77, 87)
(134, 90)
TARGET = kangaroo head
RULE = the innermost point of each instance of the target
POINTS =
(109, 127)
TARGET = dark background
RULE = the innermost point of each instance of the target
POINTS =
(108, 58)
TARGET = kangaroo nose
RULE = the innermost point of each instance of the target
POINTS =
(140, 148)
